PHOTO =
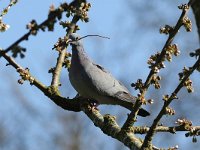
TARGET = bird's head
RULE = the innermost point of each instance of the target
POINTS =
(74, 39)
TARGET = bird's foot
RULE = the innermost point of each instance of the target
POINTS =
(94, 104)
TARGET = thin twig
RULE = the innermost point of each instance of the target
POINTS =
(172, 129)
(56, 75)
(196, 10)
(26, 36)
(23, 38)
(5, 10)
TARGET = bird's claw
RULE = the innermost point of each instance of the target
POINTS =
(94, 104)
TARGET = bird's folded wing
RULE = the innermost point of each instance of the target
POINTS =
(125, 96)
(101, 68)
(107, 76)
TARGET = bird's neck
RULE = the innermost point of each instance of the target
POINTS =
(78, 55)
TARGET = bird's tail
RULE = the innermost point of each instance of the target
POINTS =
(142, 112)
(127, 100)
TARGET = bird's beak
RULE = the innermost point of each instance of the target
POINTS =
(69, 41)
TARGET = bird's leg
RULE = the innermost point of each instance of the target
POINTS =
(94, 104)
(77, 95)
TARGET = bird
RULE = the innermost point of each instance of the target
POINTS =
(95, 83)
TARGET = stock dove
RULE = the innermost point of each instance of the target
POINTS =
(95, 83)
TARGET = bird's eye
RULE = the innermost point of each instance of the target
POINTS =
(76, 38)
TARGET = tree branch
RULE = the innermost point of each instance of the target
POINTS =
(196, 10)
(106, 123)
(132, 116)
(56, 74)
(151, 132)
(172, 129)
(79, 8)
(109, 126)
(51, 18)
(65, 103)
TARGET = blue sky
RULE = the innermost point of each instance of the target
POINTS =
(134, 31)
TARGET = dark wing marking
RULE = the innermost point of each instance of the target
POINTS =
(125, 96)
(100, 67)
(104, 70)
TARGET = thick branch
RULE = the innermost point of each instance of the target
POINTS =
(110, 127)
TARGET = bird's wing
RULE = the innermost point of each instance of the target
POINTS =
(101, 68)
(108, 84)
(125, 96)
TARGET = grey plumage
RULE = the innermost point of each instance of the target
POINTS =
(93, 82)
